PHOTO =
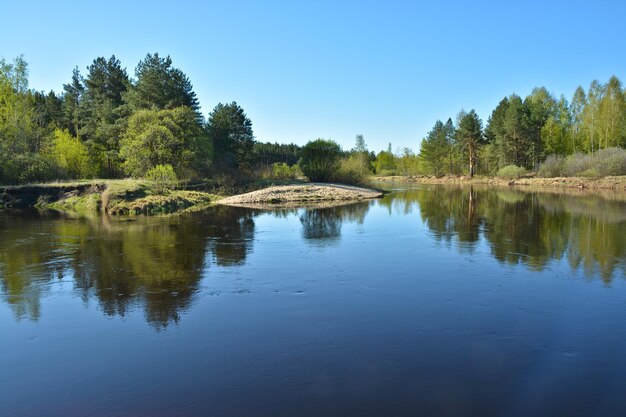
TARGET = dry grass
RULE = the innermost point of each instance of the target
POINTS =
(308, 193)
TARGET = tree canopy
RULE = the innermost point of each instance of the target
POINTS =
(165, 137)
(160, 86)
(104, 123)
(319, 159)
(230, 130)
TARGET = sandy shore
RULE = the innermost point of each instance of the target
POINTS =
(607, 183)
(302, 194)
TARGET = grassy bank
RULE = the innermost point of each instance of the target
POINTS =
(114, 197)
(606, 183)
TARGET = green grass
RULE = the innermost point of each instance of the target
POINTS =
(114, 197)
(86, 204)
(171, 202)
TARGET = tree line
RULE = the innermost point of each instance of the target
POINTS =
(524, 132)
(584, 137)
(108, 124)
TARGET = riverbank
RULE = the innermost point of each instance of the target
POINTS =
(607, 183)
(303, 194)
(114, 197)
(135, 197)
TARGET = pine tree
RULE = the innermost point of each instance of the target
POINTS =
(102, 112)
(516, 145)
(161, 86)
(434, 149)
(230, 130)
(469, 136)
(71, 102)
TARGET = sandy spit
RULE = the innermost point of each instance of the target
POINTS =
(305, 194)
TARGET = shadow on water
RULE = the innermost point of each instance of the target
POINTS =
(157, 263)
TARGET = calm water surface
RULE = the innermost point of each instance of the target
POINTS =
(433, 301)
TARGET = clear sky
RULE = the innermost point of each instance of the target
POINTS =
(332, 69)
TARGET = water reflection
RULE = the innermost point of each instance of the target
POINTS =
(323, 225)
(156, 264)
(529, 228)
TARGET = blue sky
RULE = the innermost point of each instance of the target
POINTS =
(333, 69)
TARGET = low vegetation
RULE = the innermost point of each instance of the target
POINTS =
(606, 162)
(163, 178)
(114, 197)
(282, 171)
(511, 172)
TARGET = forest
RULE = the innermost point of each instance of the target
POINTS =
(106, 123)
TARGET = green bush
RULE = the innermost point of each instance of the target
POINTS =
(282, 171)
(27, 168)
(386, 173)
(511, 172)
(590, 173)
(319, 160)
(70, 156)
(350, 171)
(385, 162)
(163, 178)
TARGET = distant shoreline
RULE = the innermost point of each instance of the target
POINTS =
(607, 183)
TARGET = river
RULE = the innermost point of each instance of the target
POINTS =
(432, 301)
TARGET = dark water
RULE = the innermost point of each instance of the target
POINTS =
(431, 302)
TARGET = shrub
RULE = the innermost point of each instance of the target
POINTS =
(511, 172)
(27, 168)
(163, 177)
(408, 163)
(385, 162)
(610, 161)
(70, 156)
(350, 171)
(320, 160)
(577, 163)
(553, 166)
(590, 173)
(282, 171)
(386, 173)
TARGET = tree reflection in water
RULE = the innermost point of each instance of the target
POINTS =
(157, 263)
(529, 228)
(151, 262)
(323, 225)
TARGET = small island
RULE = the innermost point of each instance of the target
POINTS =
(303, 194)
